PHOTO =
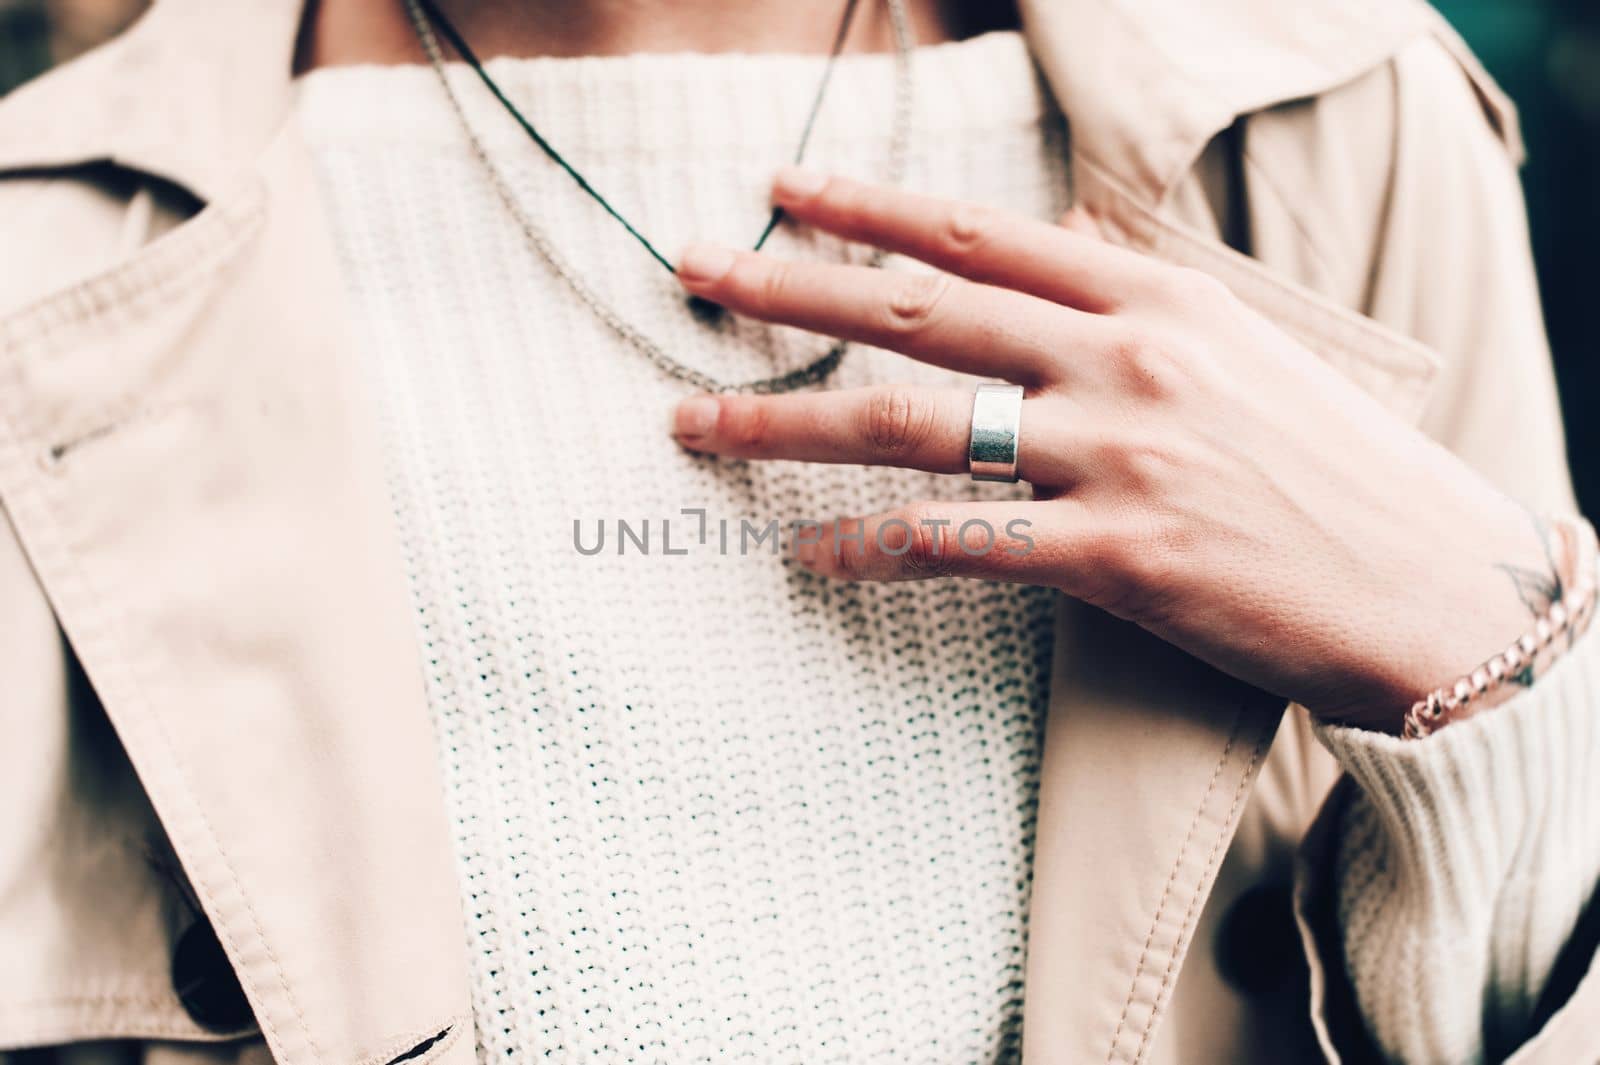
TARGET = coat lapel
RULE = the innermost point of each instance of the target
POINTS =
(189, 462)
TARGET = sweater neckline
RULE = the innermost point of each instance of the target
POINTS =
(677, 104)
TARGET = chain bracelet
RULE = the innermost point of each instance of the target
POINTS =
(1567, 615)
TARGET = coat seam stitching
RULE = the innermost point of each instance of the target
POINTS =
(1172, 877)
(127, 288)
(1217, 848)
(399, 1043)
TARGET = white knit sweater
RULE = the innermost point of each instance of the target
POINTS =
(706, 806)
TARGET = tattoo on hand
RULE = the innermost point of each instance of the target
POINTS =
(1535, 587)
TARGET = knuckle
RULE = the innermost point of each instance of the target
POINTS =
(850, 558)
(967, 228)
(896, 421)
(1125, 350)
(746, 423)
(914, 302)
(1148, 467)
(927, 552)
(1143, 464)
(776, 285)
(1147, 366)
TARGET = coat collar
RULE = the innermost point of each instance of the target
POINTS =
(195, 90)
(191, 94)
(1146, 84)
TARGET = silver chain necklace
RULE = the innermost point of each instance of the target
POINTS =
(537, 238)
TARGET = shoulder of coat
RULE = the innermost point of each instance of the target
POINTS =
(189, 95)
(1147, 84)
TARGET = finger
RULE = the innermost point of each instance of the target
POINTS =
(916, 428)
(912, 428)
(975, 242)
(989, 540)
(935, 318)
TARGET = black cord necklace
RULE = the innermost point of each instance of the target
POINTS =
(703, 309)
(424, 14)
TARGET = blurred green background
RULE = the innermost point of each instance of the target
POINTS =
(1545, 52)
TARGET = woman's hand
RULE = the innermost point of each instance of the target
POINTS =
(1194, 469)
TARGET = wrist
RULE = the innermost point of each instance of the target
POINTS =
(1453, 675)
(1468, 605)
(1556, 629)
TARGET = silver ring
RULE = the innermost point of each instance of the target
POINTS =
(996, 432)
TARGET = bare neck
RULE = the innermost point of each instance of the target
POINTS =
(341, 32)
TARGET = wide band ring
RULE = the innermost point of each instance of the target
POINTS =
(996, 432)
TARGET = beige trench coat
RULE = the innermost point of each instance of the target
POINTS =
(210, 702)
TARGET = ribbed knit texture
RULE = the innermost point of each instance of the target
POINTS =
(1465, 862)
(706, 807)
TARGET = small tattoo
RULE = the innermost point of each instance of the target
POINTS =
(1536, 588)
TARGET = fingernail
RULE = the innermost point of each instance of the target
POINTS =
(794, 183)
(805, 552)
(695, 417)
(703, 263)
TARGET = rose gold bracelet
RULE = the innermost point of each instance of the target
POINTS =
(1568, 615)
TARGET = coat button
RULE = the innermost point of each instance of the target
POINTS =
(1258, 946)
(205, 982)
